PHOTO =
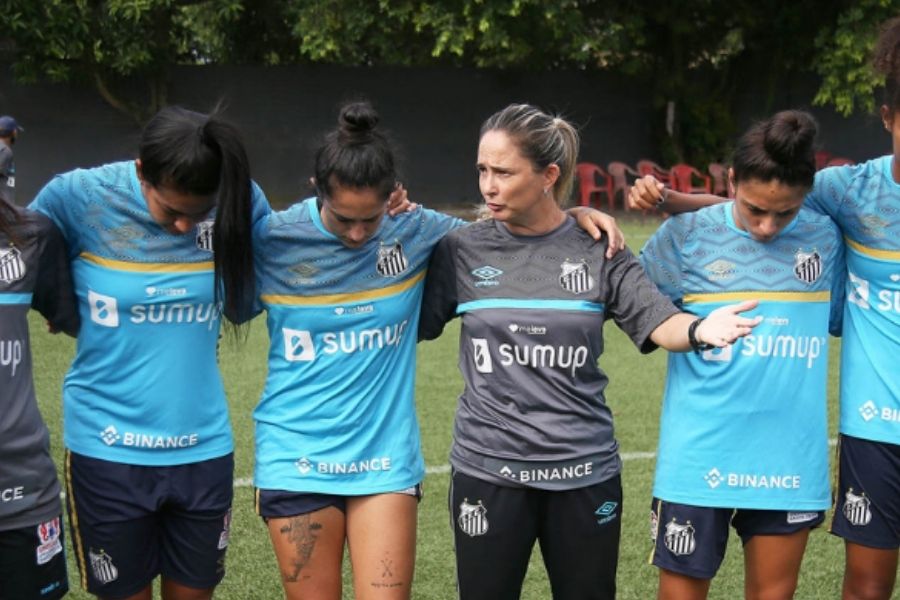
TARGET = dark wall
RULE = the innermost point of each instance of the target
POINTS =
(434, 115)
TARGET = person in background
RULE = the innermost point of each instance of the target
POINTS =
(534, 456)
(744, 432)
(9, 132)
(34, 273)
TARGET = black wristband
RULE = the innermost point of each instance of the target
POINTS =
(696, 344)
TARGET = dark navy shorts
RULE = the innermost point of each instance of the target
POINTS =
(33, 562)
(274, 504)
(691, 540)
(867, 499)
(131, 523)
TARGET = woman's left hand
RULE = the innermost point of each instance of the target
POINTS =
(724, 325)
(594, 221)
(398, 201)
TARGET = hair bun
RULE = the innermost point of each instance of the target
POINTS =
(790, 135)
(357, 119)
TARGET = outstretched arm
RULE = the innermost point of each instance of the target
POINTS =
(648, 193)
(723, 326)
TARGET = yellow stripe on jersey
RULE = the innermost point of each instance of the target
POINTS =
(873, 252)
(348, 298)
(123, 265)
(761, 296)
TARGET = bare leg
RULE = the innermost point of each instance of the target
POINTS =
(675, 586)
(772, 565)
(309, 549)
(869, 573)
(381, 536)
(144, 594)
(172, 590)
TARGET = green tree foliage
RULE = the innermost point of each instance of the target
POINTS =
(843, 58)
(690, 55)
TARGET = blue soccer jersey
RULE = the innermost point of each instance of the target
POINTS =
(863, 201)
(144, 387)
(337, 414)
(745, 426)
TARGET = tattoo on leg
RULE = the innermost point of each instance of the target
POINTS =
(386, 572)
(302, 533)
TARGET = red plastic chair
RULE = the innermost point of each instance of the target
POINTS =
(648, 167)
(822, 158)
(592, 179)
(623, 177)
(684, 176)
(839, 161)
(719, 174)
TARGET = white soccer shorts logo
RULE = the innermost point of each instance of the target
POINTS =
(104, 309)
(472, 518)
(679, 539)
(298, 345)
(482, 355)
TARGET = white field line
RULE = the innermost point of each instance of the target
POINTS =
(442, 469)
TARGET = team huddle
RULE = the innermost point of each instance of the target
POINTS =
(147, 261)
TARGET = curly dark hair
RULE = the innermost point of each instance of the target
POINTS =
(886, 60)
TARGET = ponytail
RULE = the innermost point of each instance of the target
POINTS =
(203, 155)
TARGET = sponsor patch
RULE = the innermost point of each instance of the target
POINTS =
(800, 517)
(50, 544)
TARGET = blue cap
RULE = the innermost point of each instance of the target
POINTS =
(8, 125)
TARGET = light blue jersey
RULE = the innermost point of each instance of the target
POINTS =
(144, 387)
(337, 414)
(864, 200)
(745, 426)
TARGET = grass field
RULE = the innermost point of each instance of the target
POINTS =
(634, 396)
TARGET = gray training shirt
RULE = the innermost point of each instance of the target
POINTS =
(34, 272)
(533, 412)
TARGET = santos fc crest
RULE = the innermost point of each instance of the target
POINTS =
(680, 538)
(472, 518)
(12, 267)
(807, 266)
(575, 277)
(391, 260)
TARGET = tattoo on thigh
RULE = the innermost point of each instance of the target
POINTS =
(387, 573)
(302, 533)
